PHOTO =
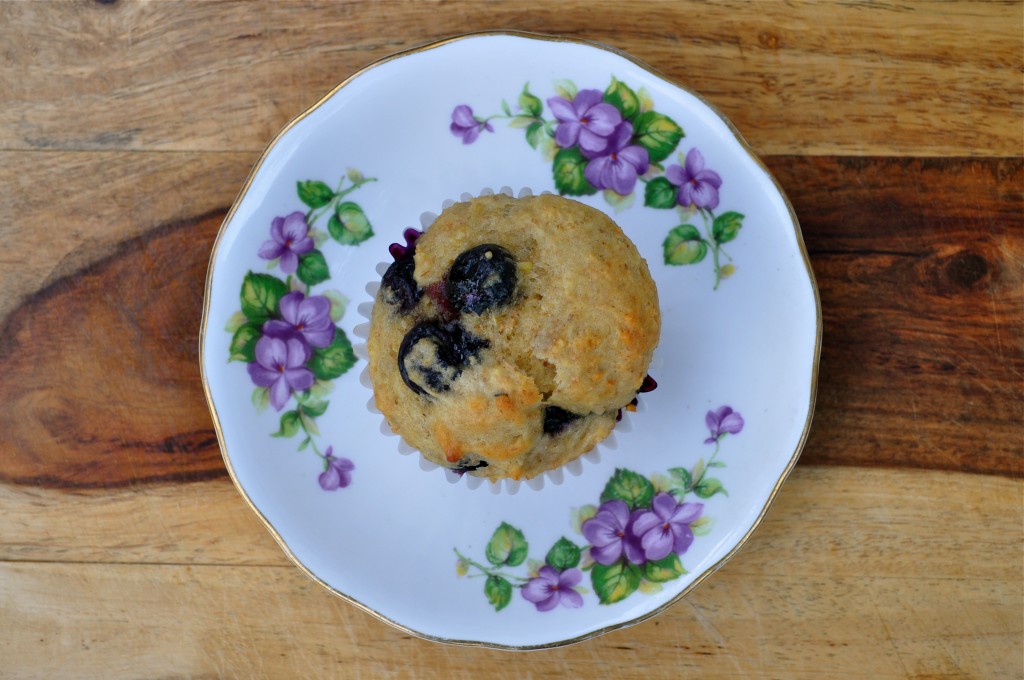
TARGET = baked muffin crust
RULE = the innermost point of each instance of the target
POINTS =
(509, 342)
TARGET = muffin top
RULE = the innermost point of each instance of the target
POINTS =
(512, 321)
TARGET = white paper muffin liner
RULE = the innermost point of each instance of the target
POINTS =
(554, 476)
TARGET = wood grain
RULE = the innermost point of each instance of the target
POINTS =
(796, 77)
(222, 624)
(201, 523)
(806, 594)
(920, 264)
(75, 425)
(922, 361)
(66, 210)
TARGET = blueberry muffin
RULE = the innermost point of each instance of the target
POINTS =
(506, 339)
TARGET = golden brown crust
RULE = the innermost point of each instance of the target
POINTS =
(578, 334)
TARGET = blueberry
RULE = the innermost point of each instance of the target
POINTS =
(399, 285)
(557, 419)
(436, 353)
(468, 465)
(445, 311)
(648, 385)
(481, 278)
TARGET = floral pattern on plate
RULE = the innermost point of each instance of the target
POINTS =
(634, 540)
(288, 336)
(609, 141)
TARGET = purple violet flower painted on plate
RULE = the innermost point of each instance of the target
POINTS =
(613, 141)
(288, 336)
(634, 542)
(552, 587)
(722, 421)
(610, 534)
(289, 238)
(665, 528)
(587, 121)
(307, 318)
(466, 125)
(337, 473)
(619, 165)
(698, 186)
(281, 366)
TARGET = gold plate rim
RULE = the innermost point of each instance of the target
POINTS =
(775, 489)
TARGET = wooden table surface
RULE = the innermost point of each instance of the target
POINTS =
(893, 551)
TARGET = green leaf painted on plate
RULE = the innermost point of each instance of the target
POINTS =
(235, 321)
(657, 133)
(313, 193)
(665, 569)
(530, 104)
(702, 526)
(614, 583)
(260, 296)
(577, 516)
(564, 554)
(308, 424)
(566, 89)
(313, 268)
(726, 226)
(697, 471)
(338, 304)
(261, 399)
(289, 426)
(243, 343)
(315, 407)
(349, 225)
(681, 477)
(644, 99)
(684, 245)
(631, 487)
(623, 98)
(708, 487)
(535, 134)
(328, 363)
(498, 591)
(568, 169)
(660, 193)
(507, 546)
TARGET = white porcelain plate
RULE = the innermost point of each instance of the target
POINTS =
(608, 540)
